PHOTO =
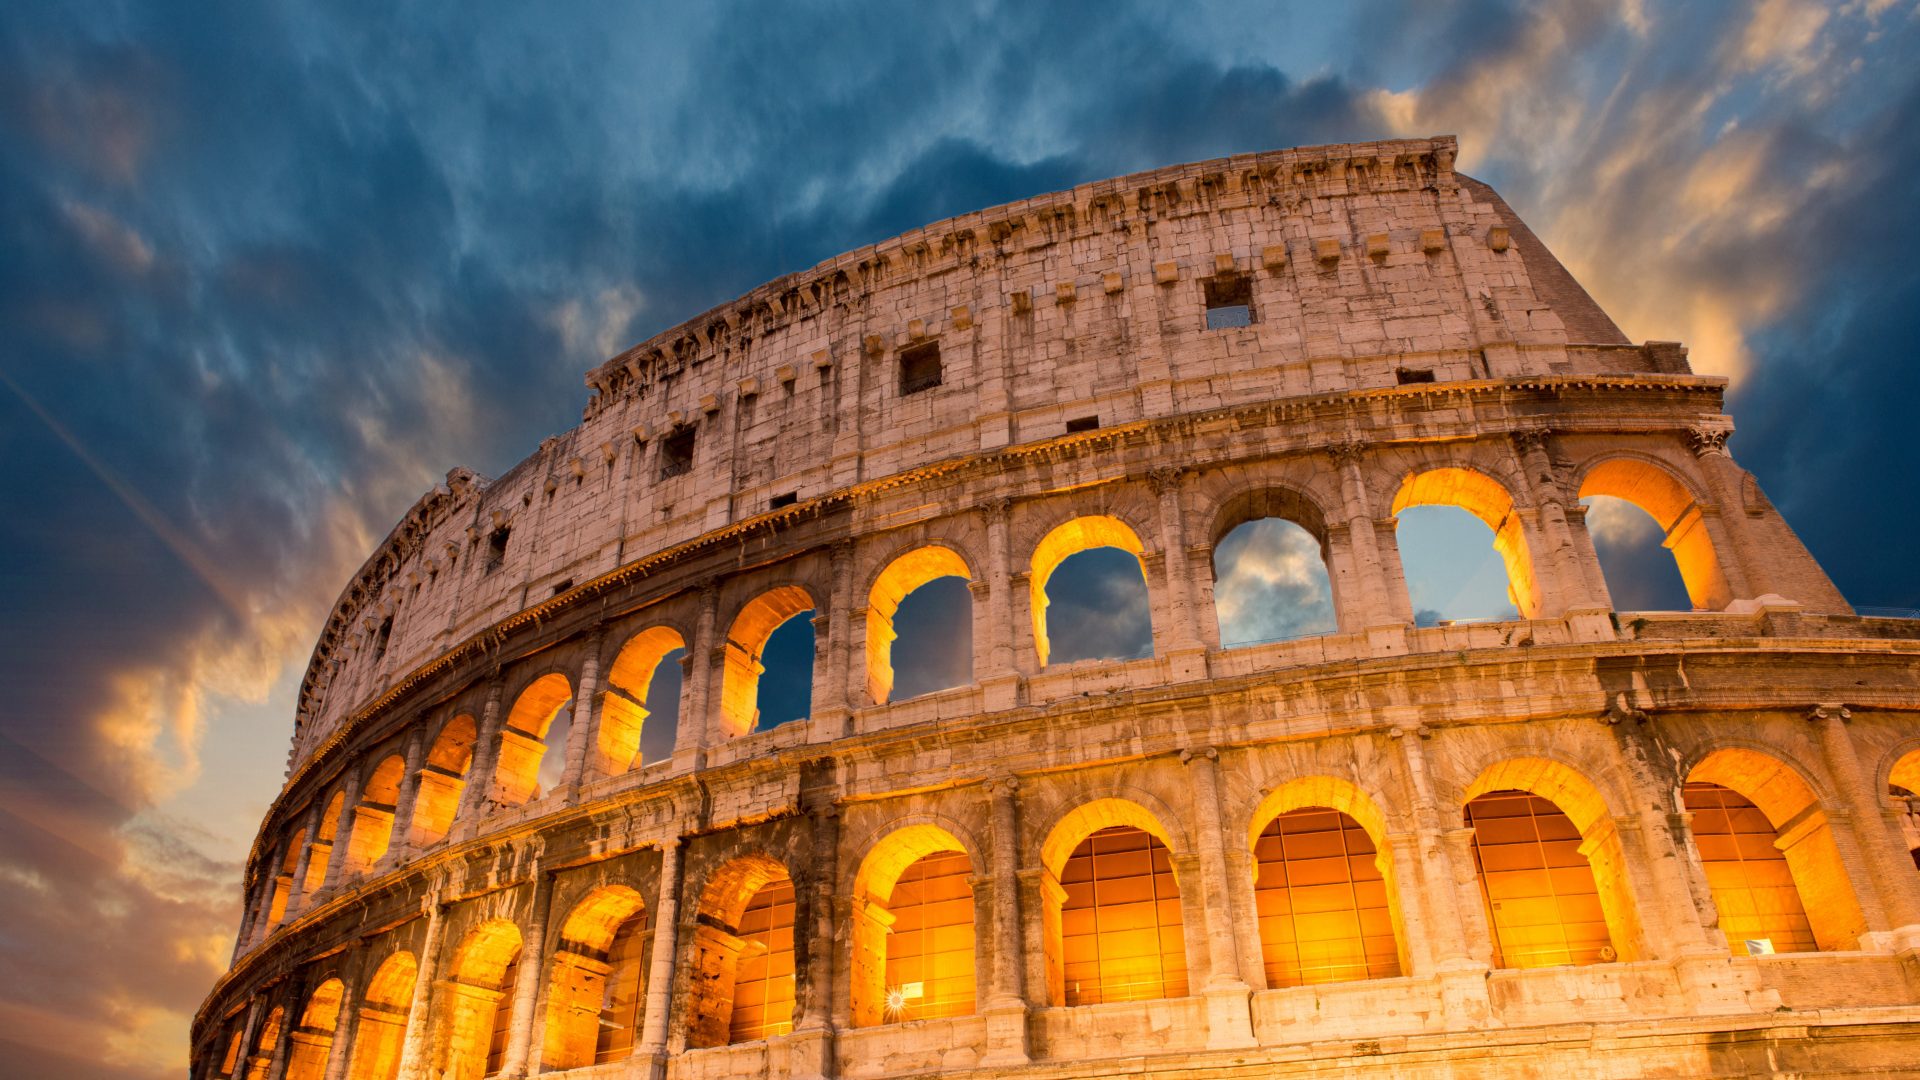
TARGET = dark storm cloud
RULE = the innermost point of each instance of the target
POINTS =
(271, 269)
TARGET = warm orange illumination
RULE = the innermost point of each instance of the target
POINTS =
(1122, 936)
(523, 741)
(623, 708)
(381, 1031)
(1672, 507)
(478, 991)
(1068, 539)
(898, 581)
(1752, 885)
(593, 991)
(763, 989)
(929, 970)
(373, 815)
(442, 780)
(261, 1060)
(746, 640)
(1483, 497)
(323, 844)
(283, 881)
(1322, 901)
(312, 1039)
(1541, 899)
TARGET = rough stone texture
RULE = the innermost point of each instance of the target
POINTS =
(498, 606)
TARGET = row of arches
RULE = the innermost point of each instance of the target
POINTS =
(1116, 900)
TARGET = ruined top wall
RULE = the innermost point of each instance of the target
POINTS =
(1368, 265)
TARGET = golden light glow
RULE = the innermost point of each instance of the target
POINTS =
(1483, 497)
(1068, 539)
(442, 780)
(373, 815)
(1122, 933)
(594, 987)
(1542, 902)
(731, 945)
(312, 1039)
(479, 989)
(746, 640)
(763, 989)
(1672, 507)
(1752, 885)
(623, 708)
(930, 947)
(523, 742)
(898, 581)
(381, 1030)
(1322, 901)
(323, 844)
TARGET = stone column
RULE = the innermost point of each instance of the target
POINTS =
(253, 919)
(812, 1048)
(652, 1045)
(296, 892)
(1183, 632)
(834, 672)
(1229, 1016)
(526, 987)
(348, 1023)
(277, 1053)
(1375, 603)
(343, 828)
(997, 670)
(1891, 879)
(1677, 908)
(408, 798)
(486, 755)
(1438, 887)
(1006, 1006)
(1569, 590)
(583, 736)
(414, 1048)
(249, 1031)
(703, 652)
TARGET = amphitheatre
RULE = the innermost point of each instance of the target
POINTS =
(1574, 840)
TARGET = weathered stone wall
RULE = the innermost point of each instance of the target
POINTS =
(1364, 262)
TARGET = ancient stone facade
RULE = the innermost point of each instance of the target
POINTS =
(1513, 847)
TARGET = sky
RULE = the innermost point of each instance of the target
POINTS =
(271, 269)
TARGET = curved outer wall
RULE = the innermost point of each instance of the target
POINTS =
(1410, 342)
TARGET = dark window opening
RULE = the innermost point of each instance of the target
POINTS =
(497, 548)
(382, 636)
(787, 499)
(676, 454)
(1229, 302)
(1082, 423)
(920, 368)
(562, 586)
(1412, 375)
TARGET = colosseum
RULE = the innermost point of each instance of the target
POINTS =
(535, 822)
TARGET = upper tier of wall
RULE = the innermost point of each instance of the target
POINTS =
(1367, 265)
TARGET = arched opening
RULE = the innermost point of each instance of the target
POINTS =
(1323, 887)
(920, 609)
(1542, 901)
(312, 1038)
(1103, 608)
(1680, 530)
(597, 976)
(913, 929)
(442, 780)
(380, 1034)
(1111, 914)
(264, 1044)
(626, 740)
(1903, 783)
(283, 881)
(743, 953)
(788, 662)
(1270, 580)
(373, 814)
(535, 724)
(323, 844)
(1770, 856)
(479, 1006)
(1448, 579)
(230, 1061)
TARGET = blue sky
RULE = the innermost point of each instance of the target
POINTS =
(271, 269)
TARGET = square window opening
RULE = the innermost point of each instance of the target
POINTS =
(676, 454)
(1229, 301)
(919, 368)
(1413, 375)
(785, 499)
(497, 548)
(1083, 423)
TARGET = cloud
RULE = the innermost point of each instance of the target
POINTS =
(1272, 584)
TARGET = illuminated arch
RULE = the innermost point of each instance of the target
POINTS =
(1487, 499)
(1278, 504)
(1673, 507)
(1550, 866)
(264, 1044)
(595, 981)
(1324, 888)
(1906, 771)
(926, 938)
(623, 708)
(373, 814)
(743, 946)
(322, 844)
(1067, 539)
(1744, 865)
(380, 1033)
(283, 881)
(899, 580)
(746, 640)
(1097, 950)
(478, 1011)
(312, 1037)
(523, 741)
(443, 777)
